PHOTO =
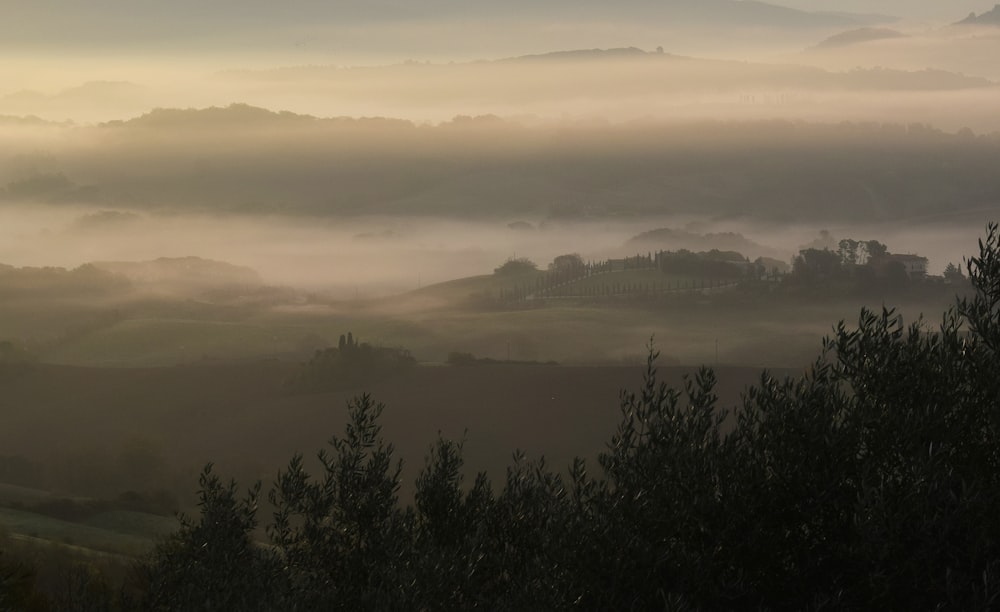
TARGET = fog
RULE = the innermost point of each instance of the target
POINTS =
(197, 200)
(348, 258)
(433, 61)
(589, 148)
(947, 81)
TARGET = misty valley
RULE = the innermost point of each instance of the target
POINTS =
(674, 306)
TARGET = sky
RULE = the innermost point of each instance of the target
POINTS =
(944, 10)
(436, 28)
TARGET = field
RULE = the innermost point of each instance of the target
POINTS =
(103, 431)
(28, 517)
(113, 533)
(690, 328)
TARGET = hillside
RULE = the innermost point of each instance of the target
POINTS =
(861, 35)
(182, 272)
(988, 18)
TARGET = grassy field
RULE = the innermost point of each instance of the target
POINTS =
(115, 533)
(690, 328)
(118, 532)
(13, 494)
(101, 431)
(461, 289)
(637, 282)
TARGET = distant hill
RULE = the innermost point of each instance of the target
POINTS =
(182, 271)
(670, 239)
(90, 89)
(989, 18)
(111, 95)
(241, 115)
(29, 120)
(586, 55)
(867, 19)
(861, 35)
(544, 77)
(234, 114)
(106, 219)
(50, 282)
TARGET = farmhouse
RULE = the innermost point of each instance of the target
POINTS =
(915, 265)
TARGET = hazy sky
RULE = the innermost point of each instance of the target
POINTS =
(945, 10)
(248, 27)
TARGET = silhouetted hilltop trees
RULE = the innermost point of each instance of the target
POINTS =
(671, 239)
(349, 365)
(32, 282)
(709, 264)
(990, 18)
(516, 265)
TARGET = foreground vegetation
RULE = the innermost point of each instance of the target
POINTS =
(870, 482)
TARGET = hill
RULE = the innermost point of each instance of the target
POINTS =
(182, 273)
(672, 239)
(861, 35)
(989, 18)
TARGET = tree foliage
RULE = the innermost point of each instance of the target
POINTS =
(351, 364)
(870, 482)
(516, 265)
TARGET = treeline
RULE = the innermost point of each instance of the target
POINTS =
(53, 282)
(682, 270)
(348, 365)
(871, 482)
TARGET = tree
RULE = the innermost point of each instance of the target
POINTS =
(848, 251)
(953, 274)
(516, 265)
(875, 249)
(870, 482)
(568, 264)
(816, 264)
(212, 563)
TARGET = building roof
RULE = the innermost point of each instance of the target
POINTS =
(906, 257)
